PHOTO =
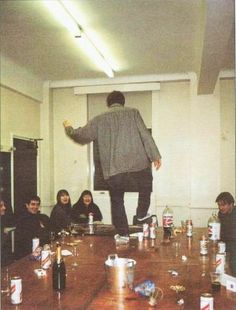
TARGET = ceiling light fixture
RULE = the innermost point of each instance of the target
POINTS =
(66, 17)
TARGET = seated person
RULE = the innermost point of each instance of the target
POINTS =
(60, 217)
(227, 217)
(83, 207)
(31, 224)
(6, 251)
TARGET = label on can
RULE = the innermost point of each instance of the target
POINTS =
(203, 247)
(206, 302)
(220, 263)
(214, 231)
(16, 290)
(45, 259)
(35, 244)
(167, 220)
(145, 230)
(221, 247)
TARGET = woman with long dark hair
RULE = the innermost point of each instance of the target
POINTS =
(61, 213)
(83, 207)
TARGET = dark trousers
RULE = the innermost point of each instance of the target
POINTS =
(142, 180)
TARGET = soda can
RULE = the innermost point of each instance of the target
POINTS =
(214, 231)
(35, 244)
(91, 229)
(16, 290)
(203, 246)
(152, 231)
(189, 225)
(221, 247)
(45, 259)
(206, 301)
(145, 230)
(220, 263)
(90, 218)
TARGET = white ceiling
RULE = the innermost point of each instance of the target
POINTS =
(141, 37)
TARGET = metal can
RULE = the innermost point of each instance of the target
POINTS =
(206, 301)
(91, 229)
(145, 230)
(220, 263)
(16, 290)
(90, 218)
(203, 246)
(152, 230)
(189, 225)
(35, 244)
(45, 259)
(221, 247)
(214, 231)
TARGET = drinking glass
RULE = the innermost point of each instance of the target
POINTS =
(5, 281)
(52, 238)
(75, 254)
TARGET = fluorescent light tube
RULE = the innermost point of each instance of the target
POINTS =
(67, 18)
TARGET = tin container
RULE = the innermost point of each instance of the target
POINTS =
(45, 259)
(145, 230)
(220, 262)
(16, 290)
(221, 247)
(90, 218)
(120, 274)
(206, 301)
(189, 226)
(35, 244)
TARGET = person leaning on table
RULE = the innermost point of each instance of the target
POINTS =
(227, 217)
(126, 150)
(31, 224)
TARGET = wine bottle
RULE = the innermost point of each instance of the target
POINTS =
(58, 270)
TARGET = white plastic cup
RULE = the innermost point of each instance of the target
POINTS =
(140, 236)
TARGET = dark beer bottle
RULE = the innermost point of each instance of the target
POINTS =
(58, 271)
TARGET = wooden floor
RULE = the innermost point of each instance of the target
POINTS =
(87, 284)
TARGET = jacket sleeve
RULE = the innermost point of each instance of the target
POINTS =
(83, 135)
(147, 139)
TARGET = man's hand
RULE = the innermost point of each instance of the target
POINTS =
(66, 123)
(157, 163)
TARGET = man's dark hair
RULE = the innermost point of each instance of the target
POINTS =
(33, 197)
(115, 97)
(225, 197)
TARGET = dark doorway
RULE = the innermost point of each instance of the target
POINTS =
(25, 172)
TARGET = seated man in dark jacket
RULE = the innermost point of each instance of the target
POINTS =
(32, 224)
(227, 216)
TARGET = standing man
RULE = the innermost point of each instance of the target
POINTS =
(126, 150)
(227, 216)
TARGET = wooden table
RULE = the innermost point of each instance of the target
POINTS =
(87, 286)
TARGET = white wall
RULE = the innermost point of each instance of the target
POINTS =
(20, 116)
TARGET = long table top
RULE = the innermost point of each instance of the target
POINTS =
(87, 283)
